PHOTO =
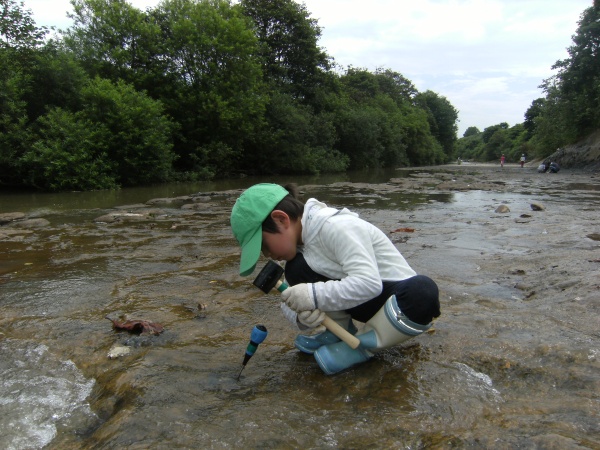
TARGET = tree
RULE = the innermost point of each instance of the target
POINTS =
(380, 124)
(289, 46)
(571, 108)
(198, 57)
(112, 39)
(578, 76)
(532, 113)
(396, 85)
(139, 142)
(119, 138)
(17, 27)
(70, 154)
(491, 130)
(471, 131)
(294, 140)
(442, 118)
(56, 80)
(19, 39)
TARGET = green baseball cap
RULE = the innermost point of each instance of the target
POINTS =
(249, 212)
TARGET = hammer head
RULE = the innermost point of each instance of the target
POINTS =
(268, 277)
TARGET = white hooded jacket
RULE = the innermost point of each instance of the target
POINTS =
(340, 245)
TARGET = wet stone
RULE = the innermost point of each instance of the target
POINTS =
(10, 217)
(32, 223)
(537, 207)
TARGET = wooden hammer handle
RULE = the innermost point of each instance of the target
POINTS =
(329, 323)
(340, 332)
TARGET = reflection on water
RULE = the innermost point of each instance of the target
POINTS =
(50, 202)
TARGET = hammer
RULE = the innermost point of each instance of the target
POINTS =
(269, 278)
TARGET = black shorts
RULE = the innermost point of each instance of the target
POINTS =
(417, 297)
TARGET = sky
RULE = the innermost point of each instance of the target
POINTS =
(487, 57)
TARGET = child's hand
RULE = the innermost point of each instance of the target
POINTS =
(311, 319)
(298, 298)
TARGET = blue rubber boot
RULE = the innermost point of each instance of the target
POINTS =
(388, 327)
(334, 358)
(310, 343)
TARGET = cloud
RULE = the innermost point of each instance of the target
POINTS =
(487, 57)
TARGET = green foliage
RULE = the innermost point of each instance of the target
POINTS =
(71, 154)
(531, 115)
(195, 89)
(571, 108)
(380, 125)
(140, 135)
(569, 111)
(294, 140)
(493, 142)
(214, 88)
(56, 80)
(119, 137)
(112, 39)
(471, 131)
(19, 39)
(442, 118)
(289, 48)
(17, 27)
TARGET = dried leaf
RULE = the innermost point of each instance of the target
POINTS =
(404, 230)
(137, 326)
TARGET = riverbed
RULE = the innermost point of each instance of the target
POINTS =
(513, 361)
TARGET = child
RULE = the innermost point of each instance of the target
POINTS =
(502, 159)
(337, 264)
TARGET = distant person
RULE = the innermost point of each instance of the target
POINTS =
(502, 160)
(542, 168)
(554, 167)
(522, 161)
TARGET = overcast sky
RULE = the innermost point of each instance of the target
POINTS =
(487, 57)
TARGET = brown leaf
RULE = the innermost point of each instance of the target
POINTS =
(137, 326)
(404, 230)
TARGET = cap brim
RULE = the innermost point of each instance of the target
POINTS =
(251, 253)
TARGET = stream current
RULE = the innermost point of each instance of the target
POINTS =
(503, 367)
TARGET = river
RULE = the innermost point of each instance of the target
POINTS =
(498, 370)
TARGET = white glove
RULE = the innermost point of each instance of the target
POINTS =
(311, 319)
(298, 298)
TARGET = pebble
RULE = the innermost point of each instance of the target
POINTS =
(118, 350)
(537, 207)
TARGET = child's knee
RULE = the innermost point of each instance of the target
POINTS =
(422, 304)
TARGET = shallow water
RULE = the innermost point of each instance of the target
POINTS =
(502, 367)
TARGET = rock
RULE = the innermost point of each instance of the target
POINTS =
(537, 207)
(502, 209)
(31, 223)
(119, 216)
(118, 350)
(194, 207)
(10, 217)
(169, 200)
(583, 154)
(201, 198)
